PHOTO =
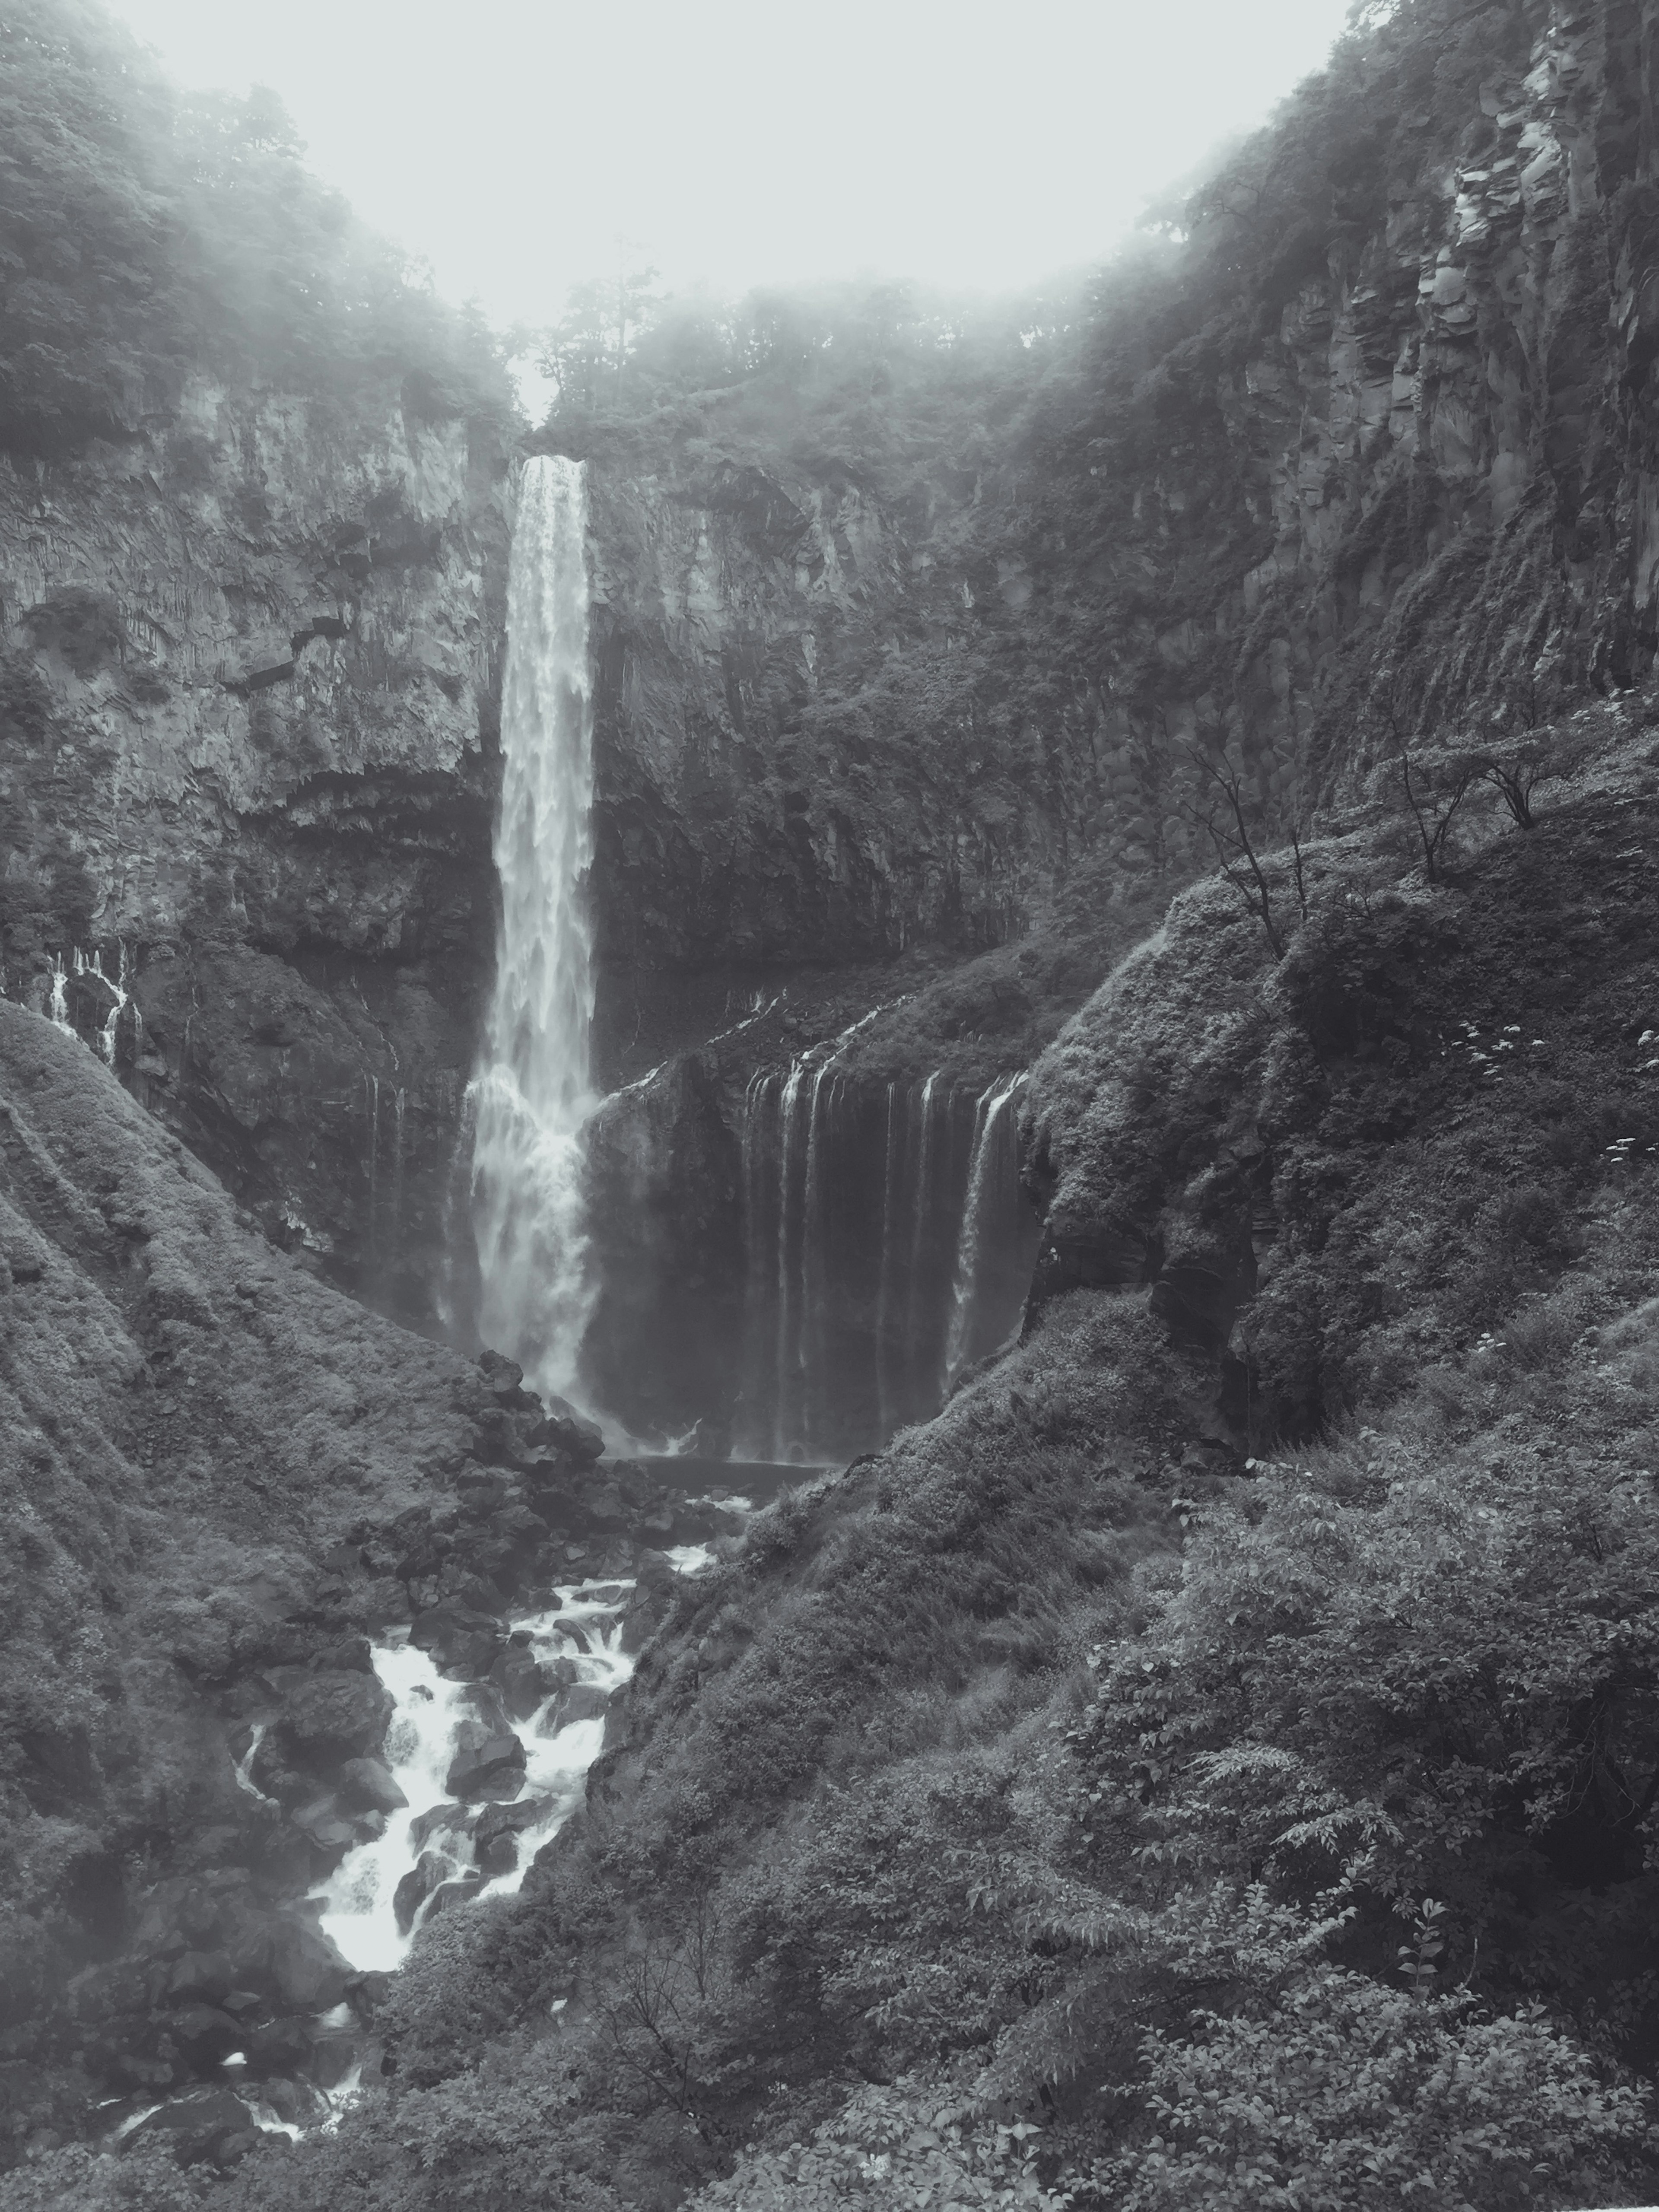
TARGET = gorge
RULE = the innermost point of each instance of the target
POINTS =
(828, 1306)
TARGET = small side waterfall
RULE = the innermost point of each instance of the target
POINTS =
(992, 1171)
(888, 1246)
(533, 1087)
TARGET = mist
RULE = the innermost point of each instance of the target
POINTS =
(517, 148)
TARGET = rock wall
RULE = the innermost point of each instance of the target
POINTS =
(252, 662)
(1400, 485)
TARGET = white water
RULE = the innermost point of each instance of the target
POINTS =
(991, 1107)
(117, 984)
(533, 1088)
(357, 1898)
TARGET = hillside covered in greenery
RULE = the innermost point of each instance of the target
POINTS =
(146, 238)
(1213, 1766)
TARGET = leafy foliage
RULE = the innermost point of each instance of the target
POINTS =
(144, 239)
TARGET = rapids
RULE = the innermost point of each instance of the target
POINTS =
(359, 1899)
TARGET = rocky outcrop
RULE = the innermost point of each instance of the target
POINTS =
(251, 657)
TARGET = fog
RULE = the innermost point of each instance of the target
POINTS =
(512, 144)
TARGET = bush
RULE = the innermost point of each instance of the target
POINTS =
(1321, 2090)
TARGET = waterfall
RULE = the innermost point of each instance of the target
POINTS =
(991, 1113)
(891, 1183)
(532, 1089)
(887, 1246)
(788, 1339)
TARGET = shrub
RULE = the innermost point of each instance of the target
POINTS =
(1320, 2089)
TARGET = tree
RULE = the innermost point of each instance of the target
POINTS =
(1516, 771)
(1434, 792)
(1221, 814)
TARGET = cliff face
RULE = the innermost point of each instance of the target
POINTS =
(795, 767)
(1394, 480)
(1369, 457)
(251, 663)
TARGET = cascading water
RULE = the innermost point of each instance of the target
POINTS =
(889, 1247)
(993, 1168)
(425, 1855)
(532, 1092)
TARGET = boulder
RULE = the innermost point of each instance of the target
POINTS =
(488, 1761)
(281, 2046)
(462, 1640)
(213, 2126)
(454, 1893)
(566, 1432)
(431, 1869)
(325, 1825)
(204, 2032)
(583, 1701)
(518, 1678)
(335, 1715)
(368, 1785)
(438, 1821)
(495, 1838)
(207, 1976)
(308, 1969)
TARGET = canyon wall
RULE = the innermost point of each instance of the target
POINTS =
(903, 649)
(250, 681)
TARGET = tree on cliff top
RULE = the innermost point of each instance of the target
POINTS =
(143, 238)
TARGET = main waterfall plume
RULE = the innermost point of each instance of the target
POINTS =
(533, 1090)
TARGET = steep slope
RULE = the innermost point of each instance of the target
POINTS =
(191, 1425)
(1090, 1747)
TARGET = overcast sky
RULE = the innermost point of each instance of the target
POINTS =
(510, 141)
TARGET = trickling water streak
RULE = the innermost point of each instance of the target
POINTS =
(924, 1158)
(533, 1088)
(786, 1271)
(759, 1242)
(398, 1163)
(981, 1162)
(57, 1008)
(371, 1091)
(889, 1207)
(807, 1360)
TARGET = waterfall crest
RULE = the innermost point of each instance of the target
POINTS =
(532, 1091)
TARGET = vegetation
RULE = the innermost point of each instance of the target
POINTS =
(146, 238)
(1068, 1807)
(190, 1422)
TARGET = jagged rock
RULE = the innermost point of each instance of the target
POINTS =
(366, 1785)
(431, 1868)
(495, 1839)
(504, 1377)
(213, 2126)
(488, 1761)
(307, 1967)
(463, 1641)
(438, 1821)
(334, 1716)
(522, 1682)
(569, 1433)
